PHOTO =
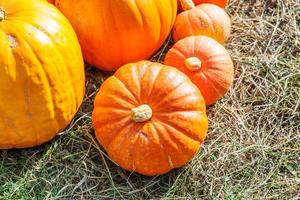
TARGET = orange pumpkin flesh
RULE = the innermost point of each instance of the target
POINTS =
(206, 63)
(204, 19)
(41, 73)
(114, 32)
(150, 118)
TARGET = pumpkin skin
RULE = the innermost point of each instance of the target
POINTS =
(157, 144)
(220, 3)
(114, 33)
(204, 19)
(41, 73)
(206, 62)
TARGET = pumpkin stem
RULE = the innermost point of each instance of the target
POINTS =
(187, 4)
(193, 64)
(2, 15)
(141, 113)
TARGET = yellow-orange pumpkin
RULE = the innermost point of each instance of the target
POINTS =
(206, 62)
(41, 73)
(115, 32)
(150, 118)
(205, 19)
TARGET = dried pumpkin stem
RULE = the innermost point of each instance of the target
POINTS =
(141, 113)
(2, 15)
(193, 64)
(187, 4)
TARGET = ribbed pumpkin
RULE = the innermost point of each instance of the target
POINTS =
(41, 73)
(206, 62)
(205, 19)
(150, 118)
(221, 3)
(115, 32)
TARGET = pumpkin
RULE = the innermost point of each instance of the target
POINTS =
(41, 73)
(206, 62)
(206, 19)
(113, 33)
(150, 118)
(221, 3)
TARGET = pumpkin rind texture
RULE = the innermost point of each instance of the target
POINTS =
(215, 73)
(113, 33)
(220, 3)
(171, 132)
(41, 73)
(204, 19)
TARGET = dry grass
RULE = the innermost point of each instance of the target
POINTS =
(253, 146)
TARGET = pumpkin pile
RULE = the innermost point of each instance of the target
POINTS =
(149, 117)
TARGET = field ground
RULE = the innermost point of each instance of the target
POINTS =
(253, 146)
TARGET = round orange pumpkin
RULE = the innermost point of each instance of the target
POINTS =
(205, 19)
(206, 62)
(41, 73)
(221, 3)
(115, 32)
(150, 118)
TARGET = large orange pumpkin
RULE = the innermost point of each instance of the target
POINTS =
(115, 32)
(206, 62)
(204, 19)
(41, 73)
(221, 3)
(150, 118)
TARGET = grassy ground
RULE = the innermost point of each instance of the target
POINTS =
(253, 145)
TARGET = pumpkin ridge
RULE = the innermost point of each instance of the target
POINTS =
(125, 87)
(189, 21)
(125, 134)
(160, 39)
(179, 146)
(121, 102)
(47, 83)
(179, 129)
(46, 79)
(219, 81)
(99, 123)
(212, 25)
(176, 99)
(165, 98)
(162, 146)
(154, 82)
(111, 95)
(54, 99)
(217, 89)
(149, 85)
(9, 125)
(126, 125)
(179, 51)
(116, 24)
(54, 43)
(170, 131)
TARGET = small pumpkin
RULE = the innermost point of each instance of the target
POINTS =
(221, 3)
(205, 19)
(206, 62)
(41, 73)
(150, 118)
(115, 32)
